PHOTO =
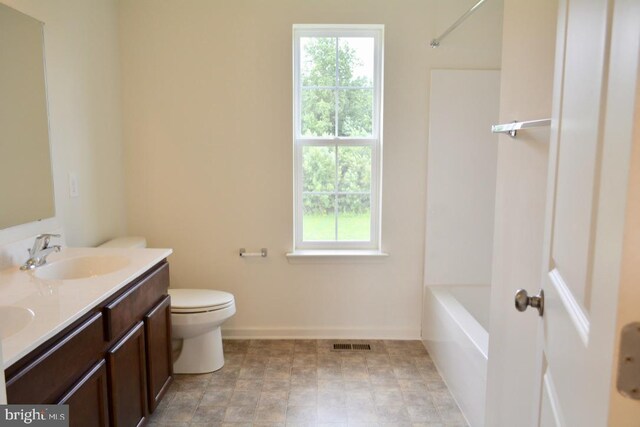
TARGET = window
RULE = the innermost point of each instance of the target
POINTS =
(337, 136)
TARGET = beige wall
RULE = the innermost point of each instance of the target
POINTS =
(208, 148)
(84, 96)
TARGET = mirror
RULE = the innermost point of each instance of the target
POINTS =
(26, 184)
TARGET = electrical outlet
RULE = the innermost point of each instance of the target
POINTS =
(73, 185)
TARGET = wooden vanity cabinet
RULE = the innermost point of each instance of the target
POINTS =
(89, 398)
(128, 379)
(157, 329)
(48, 374)
(111, 367)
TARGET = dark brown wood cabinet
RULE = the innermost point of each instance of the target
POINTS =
(128, 378)
(157, 328)
(44, 378)
(112, 366)
(134, 303)
(89, 399)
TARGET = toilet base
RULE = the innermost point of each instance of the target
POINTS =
(200, 354)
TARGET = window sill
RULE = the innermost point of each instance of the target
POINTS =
(331, 255)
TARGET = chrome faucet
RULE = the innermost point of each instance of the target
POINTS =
(40, 251)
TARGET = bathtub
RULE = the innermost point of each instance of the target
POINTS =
(455, 331)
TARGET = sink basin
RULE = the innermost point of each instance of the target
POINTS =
(13, 320)
(81, 267)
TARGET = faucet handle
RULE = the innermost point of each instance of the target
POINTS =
(46, 236)
(41, 242)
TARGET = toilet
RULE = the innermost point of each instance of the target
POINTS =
(196, 317)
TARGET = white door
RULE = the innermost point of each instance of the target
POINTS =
(592, 137)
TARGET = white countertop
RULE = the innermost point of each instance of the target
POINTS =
(58, 303)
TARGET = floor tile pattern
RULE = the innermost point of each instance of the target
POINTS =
(307, 383)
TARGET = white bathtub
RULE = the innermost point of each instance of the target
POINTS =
(455, 331)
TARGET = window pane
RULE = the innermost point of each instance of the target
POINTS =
(319, 220)
(336, 86)
(354, 218)
(318, 112)
(318, 61)
(354, 169)
(355, 61)
(355, 112)
(318, 168)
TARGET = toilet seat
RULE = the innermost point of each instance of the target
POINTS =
(199, 300)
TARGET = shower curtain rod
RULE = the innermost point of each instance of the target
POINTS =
(436, 42)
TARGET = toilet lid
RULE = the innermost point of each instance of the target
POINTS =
(189, 299)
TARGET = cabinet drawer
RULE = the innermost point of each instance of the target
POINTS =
(58, 368)
(132, 305)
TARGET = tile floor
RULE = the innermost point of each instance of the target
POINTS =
(307, 383)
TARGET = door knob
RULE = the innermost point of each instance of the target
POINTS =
(523, 300)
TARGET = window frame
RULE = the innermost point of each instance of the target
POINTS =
(374, 141)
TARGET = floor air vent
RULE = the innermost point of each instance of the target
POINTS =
(342, 346)
(361, 346)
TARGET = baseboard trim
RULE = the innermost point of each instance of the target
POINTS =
(303, 333)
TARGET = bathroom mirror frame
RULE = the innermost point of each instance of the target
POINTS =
(26, 170)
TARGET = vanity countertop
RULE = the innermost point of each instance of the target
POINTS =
(55, 304)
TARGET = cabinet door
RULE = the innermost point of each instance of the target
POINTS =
(128, 379)
(87, 399)
(157, 327)
(47, 376)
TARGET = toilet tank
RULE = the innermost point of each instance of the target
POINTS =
(125, 242)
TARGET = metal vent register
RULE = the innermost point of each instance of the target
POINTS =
(343, 346)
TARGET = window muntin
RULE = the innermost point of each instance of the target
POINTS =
(337, 95)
